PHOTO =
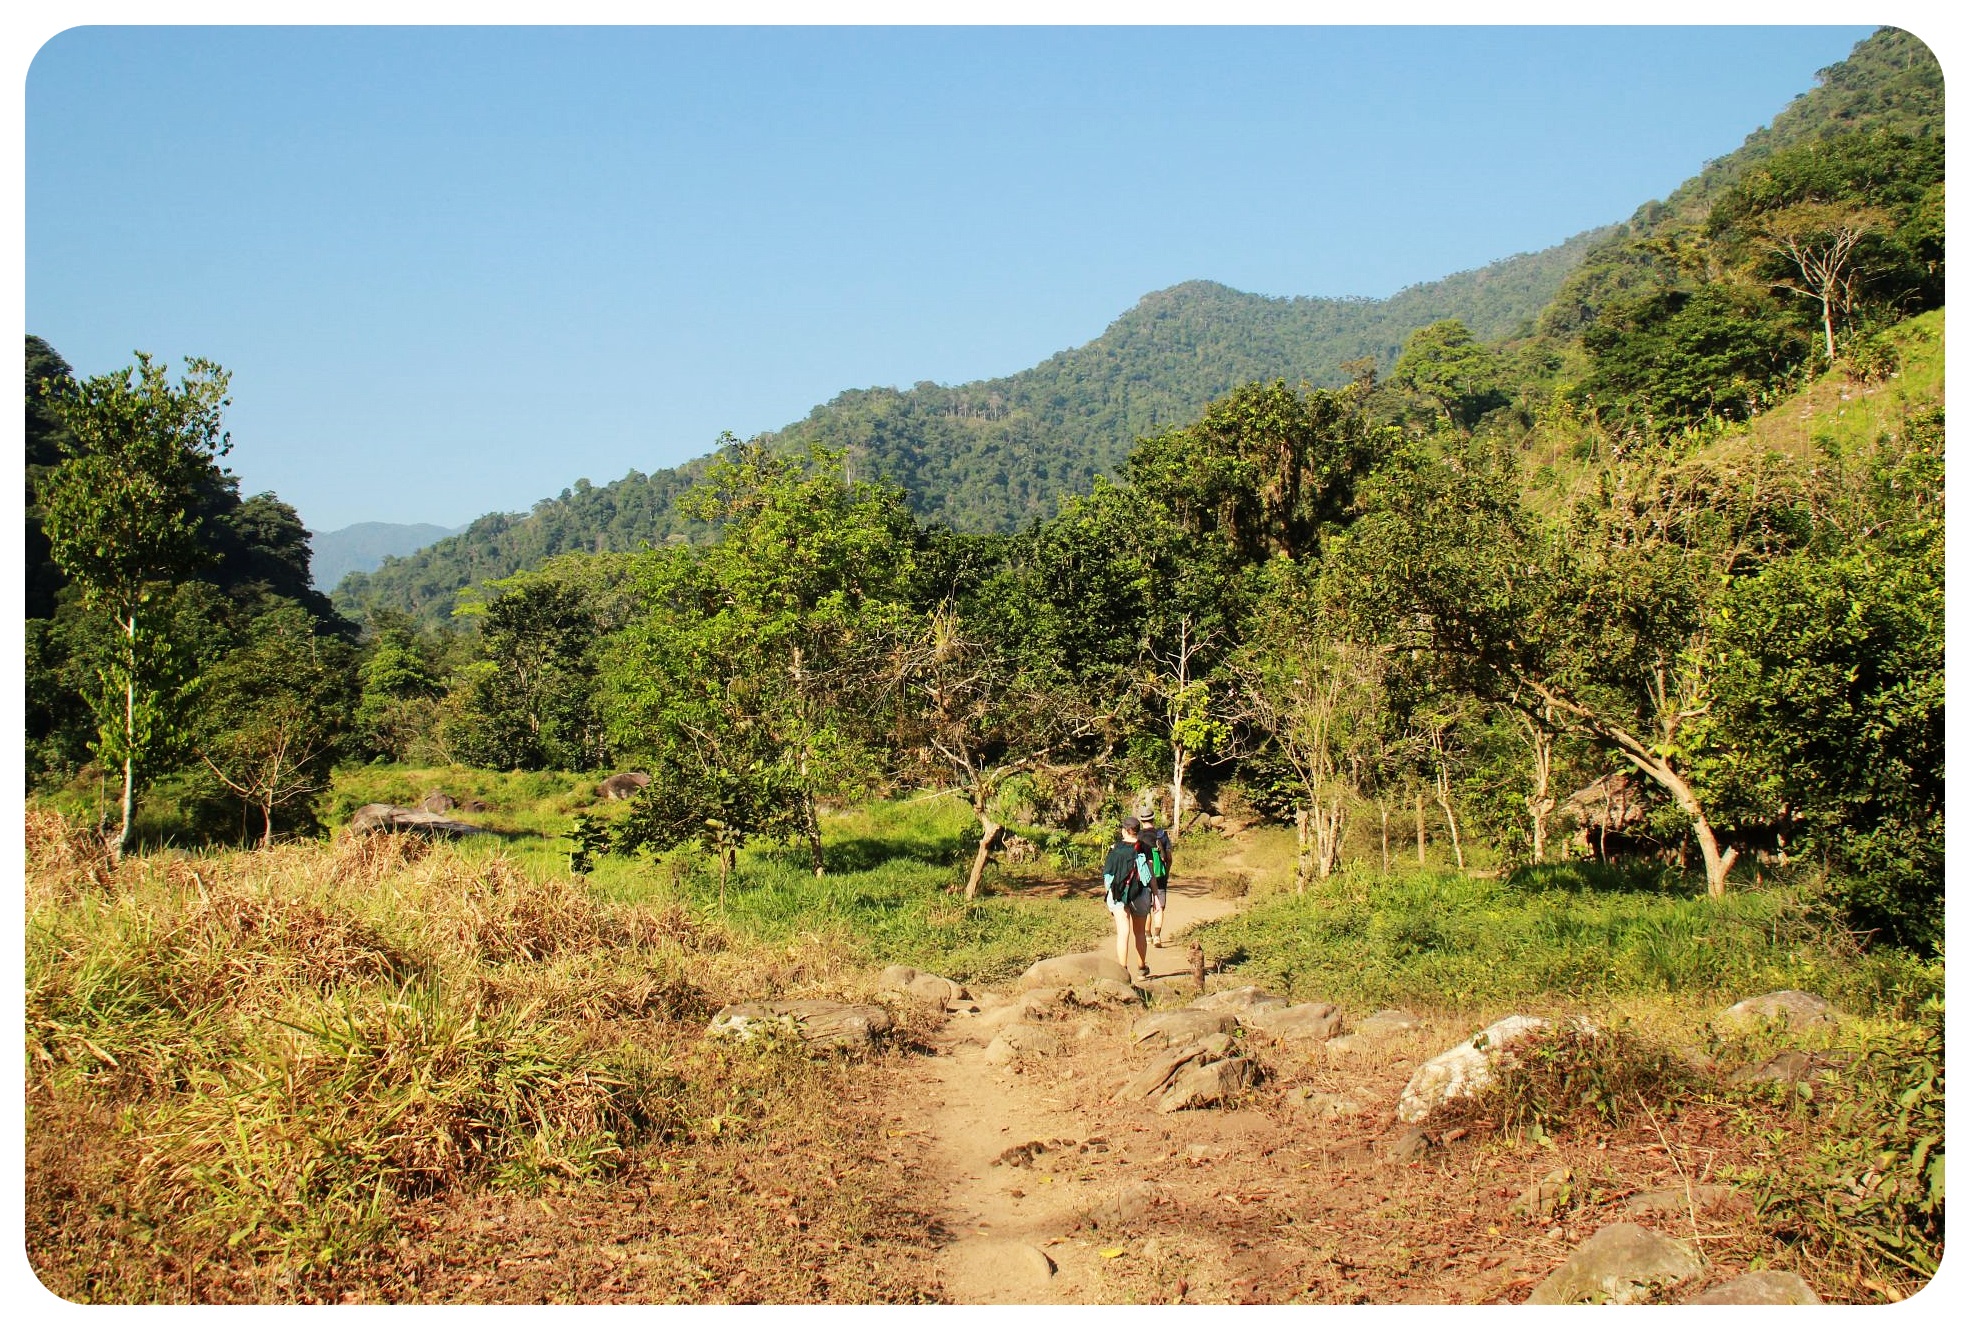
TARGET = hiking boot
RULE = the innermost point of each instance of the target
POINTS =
(1143, 973)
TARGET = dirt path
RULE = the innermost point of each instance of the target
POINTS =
(1020, 1228)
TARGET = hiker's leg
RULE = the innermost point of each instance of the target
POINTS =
(1122, 917)
(1138, 924)
(1157, 900)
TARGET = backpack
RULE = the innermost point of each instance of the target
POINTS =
(1131, 885)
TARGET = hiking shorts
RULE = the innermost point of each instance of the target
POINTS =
(1138, 907)
(1159, 896)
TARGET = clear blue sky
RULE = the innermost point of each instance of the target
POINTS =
(452, 270)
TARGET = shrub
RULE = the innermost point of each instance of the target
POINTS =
(1561, 1077)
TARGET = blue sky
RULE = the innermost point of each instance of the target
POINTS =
(452, 270)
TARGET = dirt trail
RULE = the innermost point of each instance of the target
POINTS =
(1013, 1224)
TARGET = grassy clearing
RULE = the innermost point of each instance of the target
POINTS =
(245, 1068)
(1558, 935)
(1835, 412)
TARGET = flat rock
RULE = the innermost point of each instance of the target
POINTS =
(1237, 1000)
(1322, 1104)
(1789, 1067)
(1020, 1037)
(1618, 1264)
(1789, 1007)
(1123, 1207)
(921, 984)
(819, 1024)
(1760, 1288)
(1104, 993)
(1208, 1083)
(389, 817)
(1411, 1144)
(1307, 1022)
(1675, 1201)
(1067, 971)
(1462, 1070)
(1182, 1026)
(998, 1269)
(1158, 1074)
(1542, 1198)
(1382, 1024)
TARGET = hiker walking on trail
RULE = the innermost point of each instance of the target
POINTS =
(1128, 879)
(1157, 842)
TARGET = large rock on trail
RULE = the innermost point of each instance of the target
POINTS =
(1307, 1022)
(1386, 1023)
(1181, 1026)
(921, 984)
(1078, 968)
(1238, 1000)
(1152, 1079)
(1462, 1070)
(1760, 1288)
(622, 785)
(389, 817)
(821, 1025)
(1618, 1264)
(1788, 1007)
(1207, 1084)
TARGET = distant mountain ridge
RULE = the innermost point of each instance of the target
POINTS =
(994, 454)
(361, 547)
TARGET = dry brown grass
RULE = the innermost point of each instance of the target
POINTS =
(247, 1069)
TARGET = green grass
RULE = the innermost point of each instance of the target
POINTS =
(887, 897)
(1557, 935)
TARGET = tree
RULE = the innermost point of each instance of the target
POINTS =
(1446, 364)
(1311, 703)
(121, 520)
(274, 711)
(1193, 724)
(1821, 242)
(716, 790)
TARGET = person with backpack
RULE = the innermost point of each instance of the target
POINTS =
(1127, 880)
(1157, 841)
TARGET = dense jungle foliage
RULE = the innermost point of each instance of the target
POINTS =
(1660, 574)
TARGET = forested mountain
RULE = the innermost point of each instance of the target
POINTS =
(361, 547)
(995, 454)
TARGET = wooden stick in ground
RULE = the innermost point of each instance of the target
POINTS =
(1197, 964)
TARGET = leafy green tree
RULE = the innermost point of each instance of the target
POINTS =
(120, 516)
(780, 624)
(716, 790)
(1460, 374)
(1265, 471)
(274, 713)
(400, 690)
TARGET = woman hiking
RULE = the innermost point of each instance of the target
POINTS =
(1128, 881)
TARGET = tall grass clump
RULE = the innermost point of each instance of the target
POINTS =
(1565, 934)
(260, 1055)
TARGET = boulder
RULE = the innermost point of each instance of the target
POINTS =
(1153, 1078)
(1182, 1026)
(1067, 971)
(1462, 1070)
(819, 1024)
(1308, 1022)
(1019, 1037)
(1760, 1288)
(1382, 1024)
(437, 802)
(1618, 1264)
(1789, 1007)
(389, 817)
(919, 984)
(1208, 1083)
(1237, 1000)
(622, 785)
(1105, 993)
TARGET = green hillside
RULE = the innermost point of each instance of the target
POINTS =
(995, 454)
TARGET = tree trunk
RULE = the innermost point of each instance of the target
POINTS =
(267, 830)
(725, 864)
(986, 841)
(1327, 838)
(811, 824)
(1419, 828)
(1384, 809)
(1301, 868)
(1179, 764)
(1826, 315)
(1450, 820)
(129, 735)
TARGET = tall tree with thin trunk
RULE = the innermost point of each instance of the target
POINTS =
(120, 514)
